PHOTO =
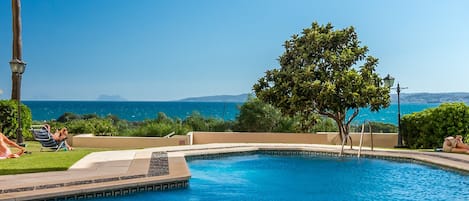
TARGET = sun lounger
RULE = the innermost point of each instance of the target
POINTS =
(45, 138)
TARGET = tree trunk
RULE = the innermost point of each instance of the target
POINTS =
(342, 134)
(344, 129)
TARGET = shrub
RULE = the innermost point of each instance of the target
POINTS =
(88, 123)
(257, 116)
(9, 119)
(427, 129)
(102, 126)
(218, 125)
(68, 116)
(152, 129)
(326, 124)
(376, 127)
(197, 122)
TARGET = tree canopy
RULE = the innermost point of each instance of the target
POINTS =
(324, 71)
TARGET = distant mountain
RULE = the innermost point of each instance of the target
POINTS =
(431, 97)
(104, 97)
(220, 98)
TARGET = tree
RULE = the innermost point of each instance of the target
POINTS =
(324, 71)
(256, 116)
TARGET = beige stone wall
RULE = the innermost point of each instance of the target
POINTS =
(386, 140)
(87, 140)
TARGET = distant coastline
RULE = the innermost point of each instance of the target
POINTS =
(241, 98)
(418, 98)
(408, 98)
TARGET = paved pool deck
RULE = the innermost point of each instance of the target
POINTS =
(114, 173)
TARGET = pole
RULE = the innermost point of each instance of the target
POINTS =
(17, 44)
(19, 131)
(399, 136)
(17, 57)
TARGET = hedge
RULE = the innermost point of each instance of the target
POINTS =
(428, 128)
(9, 119)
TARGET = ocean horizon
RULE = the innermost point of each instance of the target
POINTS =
(145, 110)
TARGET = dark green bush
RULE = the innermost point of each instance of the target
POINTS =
(376, 127)
(9, 119)
(325, 124)
(88, 123)
(155, 128)
(97, 126)
(427, 129)
(152, 129)
(197, 122)
(257, 116)
(68, 116)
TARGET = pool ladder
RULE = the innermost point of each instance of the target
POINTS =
(361, 137)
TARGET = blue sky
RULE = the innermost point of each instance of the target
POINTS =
(172, 49)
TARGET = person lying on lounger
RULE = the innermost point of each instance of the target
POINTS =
(455, 144)
(59, 135)
(5, 151)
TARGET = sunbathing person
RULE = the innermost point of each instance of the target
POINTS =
(455, 144)
(59, 135)
(5, 151)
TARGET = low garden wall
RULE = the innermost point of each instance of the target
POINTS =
(87, 140)
(385, 140)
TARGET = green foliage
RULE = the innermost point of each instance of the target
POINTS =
(325, 124)
(256, 116)
(318, 75)
(9, 119)
(159, 127)
(376, 127)
(162, 118)
(87, 123)
(428, 128)
(68, 116)
(98, 126)
(152, 129)
(198, 123)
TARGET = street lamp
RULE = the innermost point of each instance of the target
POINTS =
(389, 82)
(17, 65)
(17, 68)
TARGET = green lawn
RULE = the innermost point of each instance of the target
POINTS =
(44, 161)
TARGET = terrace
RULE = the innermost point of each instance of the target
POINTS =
(115, 173)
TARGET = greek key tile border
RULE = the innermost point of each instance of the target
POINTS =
(124, 191)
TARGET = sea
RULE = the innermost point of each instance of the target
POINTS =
(139, 111)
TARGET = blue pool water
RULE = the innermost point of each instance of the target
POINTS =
(269, 177)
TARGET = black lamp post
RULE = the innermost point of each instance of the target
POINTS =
(389, 82)
(17, 65)
(17, 68)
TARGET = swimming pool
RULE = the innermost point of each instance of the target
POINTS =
(260, 176)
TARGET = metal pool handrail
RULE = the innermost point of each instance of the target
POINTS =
(361, 137)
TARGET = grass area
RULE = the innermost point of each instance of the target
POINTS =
(44, 161)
